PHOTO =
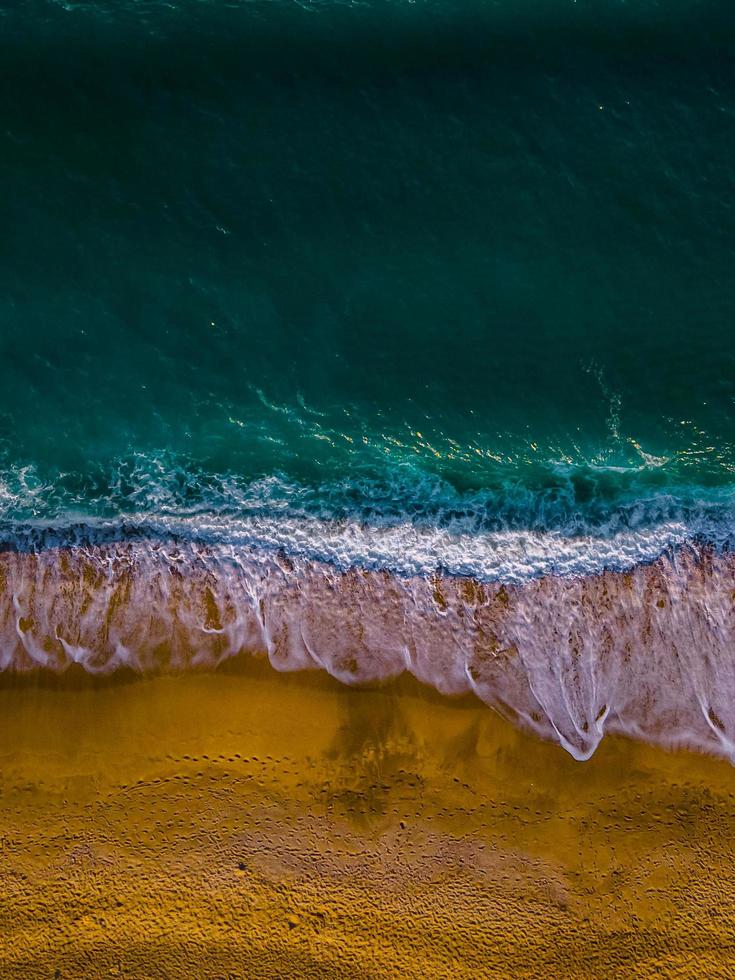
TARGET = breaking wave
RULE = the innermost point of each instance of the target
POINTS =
(572, 617)
(572, 521)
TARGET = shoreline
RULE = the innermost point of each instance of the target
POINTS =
(646, 653)
(254, 825)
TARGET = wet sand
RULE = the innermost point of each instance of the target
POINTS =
(645, 653)
(251, 824)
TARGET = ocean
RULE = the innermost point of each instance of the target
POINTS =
(376, 336)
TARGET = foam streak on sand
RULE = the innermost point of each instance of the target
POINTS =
(647, 652)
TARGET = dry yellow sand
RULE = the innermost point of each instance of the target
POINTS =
(250, 824)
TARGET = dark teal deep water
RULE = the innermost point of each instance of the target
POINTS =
(454, 262)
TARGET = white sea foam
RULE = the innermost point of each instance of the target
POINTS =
(648, 651)
(403, 548)
(617, 619)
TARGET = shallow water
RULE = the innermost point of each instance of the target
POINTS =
(647, 653)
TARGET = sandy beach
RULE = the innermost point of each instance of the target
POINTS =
(246, 823)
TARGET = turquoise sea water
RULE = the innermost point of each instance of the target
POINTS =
(281, 269)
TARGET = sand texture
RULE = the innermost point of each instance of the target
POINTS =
(249, 824)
